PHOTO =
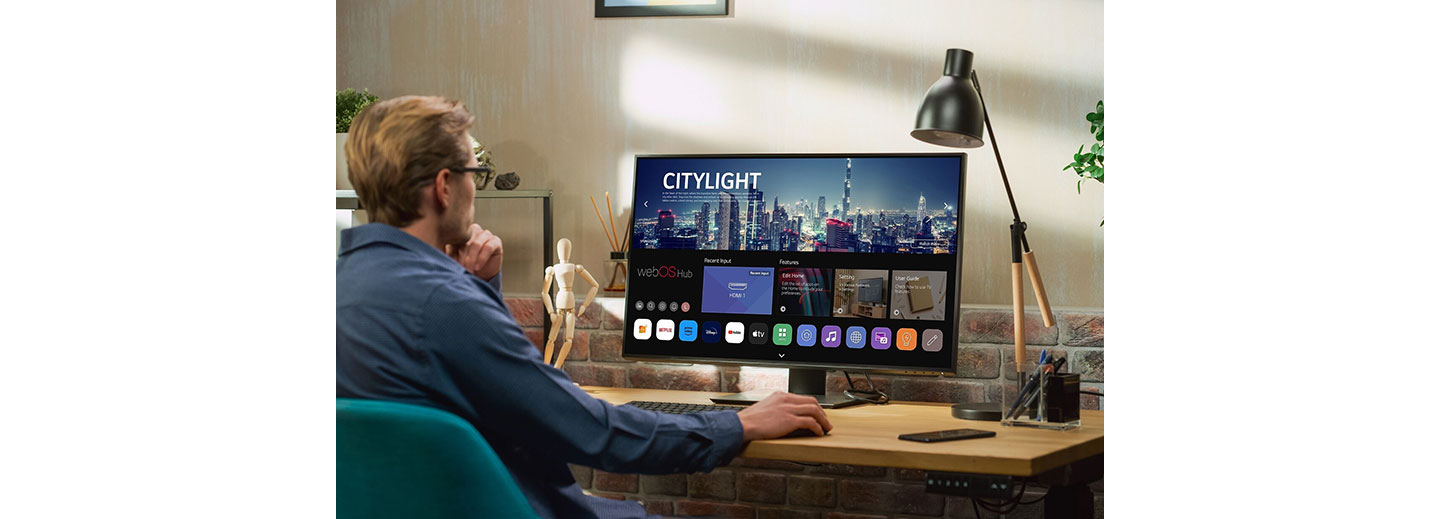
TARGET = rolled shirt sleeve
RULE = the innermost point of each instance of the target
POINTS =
(494, 282)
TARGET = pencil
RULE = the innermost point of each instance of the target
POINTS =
(602, 222)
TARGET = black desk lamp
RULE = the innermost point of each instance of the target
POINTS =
(953, 115)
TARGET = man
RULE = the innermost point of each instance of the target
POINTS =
(420, 319)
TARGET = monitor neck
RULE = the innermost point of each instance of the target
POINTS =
(805, 381)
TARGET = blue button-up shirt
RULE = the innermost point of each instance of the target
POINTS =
(413, 326)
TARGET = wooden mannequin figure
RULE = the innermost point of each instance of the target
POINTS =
(563, 312)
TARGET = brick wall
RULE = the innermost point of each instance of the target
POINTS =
(764, 489)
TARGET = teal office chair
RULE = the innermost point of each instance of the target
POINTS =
(402, 460)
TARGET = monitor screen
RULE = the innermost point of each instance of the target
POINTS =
(815, 261)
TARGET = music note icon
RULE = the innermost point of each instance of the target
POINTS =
(830, 336)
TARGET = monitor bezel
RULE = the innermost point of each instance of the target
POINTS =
(952, 369)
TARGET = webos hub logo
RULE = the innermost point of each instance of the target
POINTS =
(665, 272)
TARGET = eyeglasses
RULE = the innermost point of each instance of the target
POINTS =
(483, 174)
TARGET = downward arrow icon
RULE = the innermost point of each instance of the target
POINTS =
(782, 355)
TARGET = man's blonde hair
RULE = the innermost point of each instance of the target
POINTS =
(397, 144)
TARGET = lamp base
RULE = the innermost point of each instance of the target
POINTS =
(976, 411)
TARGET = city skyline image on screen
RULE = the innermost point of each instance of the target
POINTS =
(823, 204)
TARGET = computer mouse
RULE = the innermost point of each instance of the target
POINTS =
(797, 433)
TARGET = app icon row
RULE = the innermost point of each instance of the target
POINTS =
(672, 306)
(854, 337)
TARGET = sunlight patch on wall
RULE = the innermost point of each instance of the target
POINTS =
(701, 100)
(665, 89)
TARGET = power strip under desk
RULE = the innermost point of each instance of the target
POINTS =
(969, 485)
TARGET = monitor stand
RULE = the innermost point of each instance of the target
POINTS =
(809, 382)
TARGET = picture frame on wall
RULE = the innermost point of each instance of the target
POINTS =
(627, 8)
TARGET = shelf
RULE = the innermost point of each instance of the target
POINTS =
(346, 198)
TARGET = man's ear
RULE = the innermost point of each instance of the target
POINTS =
(442, 190)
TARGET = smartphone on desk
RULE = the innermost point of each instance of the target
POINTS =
(948, 435)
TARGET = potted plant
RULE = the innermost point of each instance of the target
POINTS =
(503, 182)
(348, 104)
(1091, 165)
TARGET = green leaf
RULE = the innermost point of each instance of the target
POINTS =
(348, 104)
(1092, 164)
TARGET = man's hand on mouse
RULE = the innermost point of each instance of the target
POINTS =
(781, 413)
(481, 254)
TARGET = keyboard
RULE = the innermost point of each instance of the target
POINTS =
(679, 408)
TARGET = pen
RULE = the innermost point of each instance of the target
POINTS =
(1031, 398)
(1033, 395)
(1052, 367)
(1029, 384)
(1023, 400)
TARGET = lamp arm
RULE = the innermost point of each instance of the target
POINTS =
(990, 130)
(1018, 243)
(1018, 240)
(1039, 285)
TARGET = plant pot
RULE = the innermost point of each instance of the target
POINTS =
(342, 173)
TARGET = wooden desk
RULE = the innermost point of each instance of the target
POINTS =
(866, 435)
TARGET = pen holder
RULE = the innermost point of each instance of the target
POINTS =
(1052, 402)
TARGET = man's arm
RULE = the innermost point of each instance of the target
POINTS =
(482, 359)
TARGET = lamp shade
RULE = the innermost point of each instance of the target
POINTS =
(952, 115)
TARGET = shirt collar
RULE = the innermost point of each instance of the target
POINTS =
(359, 237)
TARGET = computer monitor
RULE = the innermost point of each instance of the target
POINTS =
(798, 261)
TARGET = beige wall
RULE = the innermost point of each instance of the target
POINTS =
(567, 100)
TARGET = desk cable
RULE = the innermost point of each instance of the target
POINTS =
(872, 396)
(1005, 507)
